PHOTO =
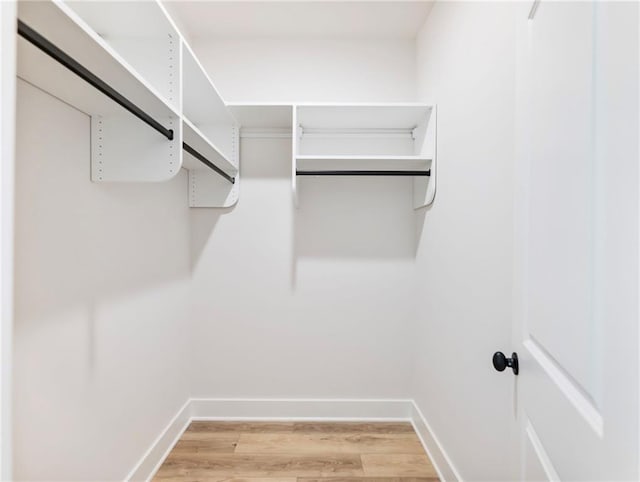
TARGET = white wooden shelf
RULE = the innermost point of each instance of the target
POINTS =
(201, 143)
(205, 111)
(143, 35)
(263, 120)
(362, 116)
(64, 28)
(370, 162)
(210, 128)
(126, 65)
(207, 188)
(202, 102)
(367, 139)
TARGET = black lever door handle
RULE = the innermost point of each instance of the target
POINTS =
(500, 362)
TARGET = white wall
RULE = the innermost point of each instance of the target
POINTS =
(314, 302)
(102, 273)
(307, 303)
(466, 63)
(310, 69)
(7, 147)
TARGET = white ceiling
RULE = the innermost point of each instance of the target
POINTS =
(241, 18)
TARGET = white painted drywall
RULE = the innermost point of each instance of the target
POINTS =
(466, 63)
(307, 303)
(314, 302)
(7, 149)
(310, 70)
(102, 276)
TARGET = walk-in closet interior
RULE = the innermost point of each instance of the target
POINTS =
(306, 241)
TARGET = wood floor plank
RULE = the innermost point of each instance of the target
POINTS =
(228, 479)
(240, 427)
(354, 427)
(297, 452)
(260, 465)
(202, 436)
(367, 479)
(397, 465)
(320, 443)
(218, 444)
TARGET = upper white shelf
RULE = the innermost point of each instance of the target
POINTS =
(362, 116)
(202, 102)
(133, 19)
(374, 131)
(66, 30)
(263, 115)
(142, 34)
(205, 109)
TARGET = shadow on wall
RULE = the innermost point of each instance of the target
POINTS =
(263, 159)
(203, 223)
(354, 217)
(78, 241)
(419, 217)
(337, 217)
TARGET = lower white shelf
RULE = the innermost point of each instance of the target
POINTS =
(193, 137)
(214, 180)
(323, 162)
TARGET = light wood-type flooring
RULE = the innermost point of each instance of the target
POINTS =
(297, 452)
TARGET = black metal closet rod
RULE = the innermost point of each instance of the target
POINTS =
(70, 63)
(363, 173)
(207, 162)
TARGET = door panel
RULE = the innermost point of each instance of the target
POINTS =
(561, 255)
(577, 264)
(538, 464)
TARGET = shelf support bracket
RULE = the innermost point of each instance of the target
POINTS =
(424, 188)
(211, 187)
(207, 162)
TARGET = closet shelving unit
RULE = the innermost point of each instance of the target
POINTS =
(367, 140)
(126, 65)
(210, 127)
(391, 139)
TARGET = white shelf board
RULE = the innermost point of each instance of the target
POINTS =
(142, 33)
(201, 100)
(64, 28)
(262, 115)
(361, 116)
(192, 136)
(124, 19)
(328, 163)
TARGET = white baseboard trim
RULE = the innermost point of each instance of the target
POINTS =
(150, 462)
(327, 410)
(289, 409)
(441, 461)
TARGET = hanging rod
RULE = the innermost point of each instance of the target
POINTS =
(207, 162)
(363, 173)
(74, 66)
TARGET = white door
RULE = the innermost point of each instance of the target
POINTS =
(577, 263)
